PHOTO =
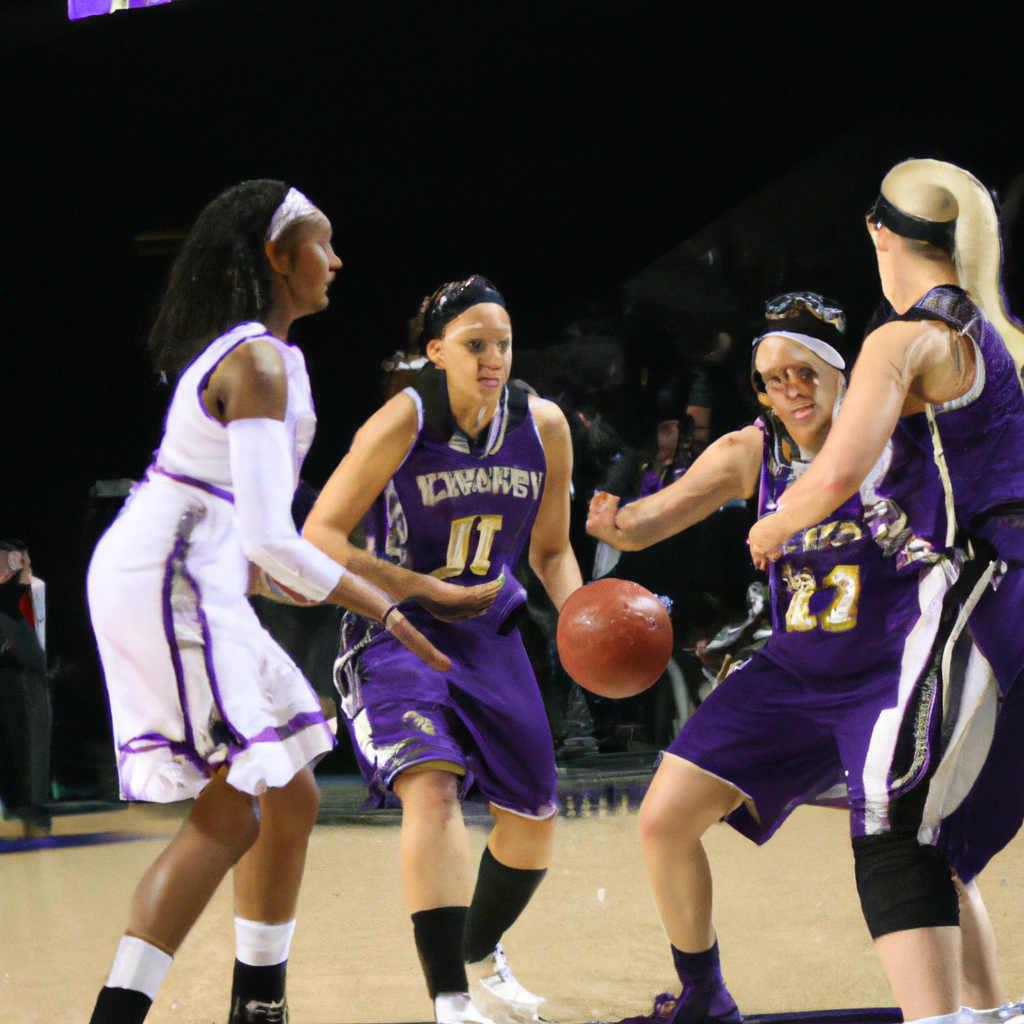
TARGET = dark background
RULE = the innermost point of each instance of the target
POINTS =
(558, 148)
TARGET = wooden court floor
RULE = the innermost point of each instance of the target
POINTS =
(790, 929)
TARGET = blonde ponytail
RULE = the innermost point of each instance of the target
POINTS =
(915, 187)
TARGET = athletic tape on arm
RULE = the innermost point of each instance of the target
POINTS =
(262, 477)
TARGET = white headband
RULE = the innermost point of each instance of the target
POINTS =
(822, 349)
(293, 207)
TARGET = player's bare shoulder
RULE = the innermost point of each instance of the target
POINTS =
(551, 422)
(747, 442)
(391, 431)
(913, 343)
(250, 380)
(739, 452)
(935, 361)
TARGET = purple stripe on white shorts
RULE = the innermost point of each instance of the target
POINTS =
(240, 743)
(274, 734)
(178, 551)
(154, 741)
(217, 492)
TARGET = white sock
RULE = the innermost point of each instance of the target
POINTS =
(139, 965)
(943, 1018)
(262, 945)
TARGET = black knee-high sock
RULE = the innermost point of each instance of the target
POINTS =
(256, 984)
(500, 896)
(120, 1006)
(439, 935)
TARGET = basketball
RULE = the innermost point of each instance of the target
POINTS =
(614, 638)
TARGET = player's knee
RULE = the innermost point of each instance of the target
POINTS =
(228, 819)
(677, 814)
(663, 821)
(300, 800)
(903, 885)
(434, 793)
(520, 842)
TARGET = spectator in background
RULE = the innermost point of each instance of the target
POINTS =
(25, 715)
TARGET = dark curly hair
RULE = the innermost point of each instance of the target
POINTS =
(221, 276)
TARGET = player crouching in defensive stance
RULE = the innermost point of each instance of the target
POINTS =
(462, 470)
(845, 690)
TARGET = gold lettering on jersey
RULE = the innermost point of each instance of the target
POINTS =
(824, 537)
(458, 546)
(801, 585)
(460, 483)
(842, 612)
(426, 485)
(451, 483)
(488, 527)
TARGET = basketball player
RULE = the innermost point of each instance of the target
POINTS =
(842, 692)
(940, 374)
(464, 470)
(204, 704)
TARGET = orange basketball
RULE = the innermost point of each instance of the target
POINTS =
(614, 637)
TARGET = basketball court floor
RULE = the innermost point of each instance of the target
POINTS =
(790, 929)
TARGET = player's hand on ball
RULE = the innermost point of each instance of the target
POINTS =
(452, 603)
(410, 637)
(601, 517)
(766, 538)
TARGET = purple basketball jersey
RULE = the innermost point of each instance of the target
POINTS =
(843, 601)
(459, 510)
(981, 434)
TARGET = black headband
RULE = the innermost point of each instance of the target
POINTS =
(453, 299)
(938, 233)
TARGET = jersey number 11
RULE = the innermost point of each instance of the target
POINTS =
(458, 546)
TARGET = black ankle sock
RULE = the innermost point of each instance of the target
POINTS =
(120, 1006)
(259, 984)
(439, 943)
(500, 896)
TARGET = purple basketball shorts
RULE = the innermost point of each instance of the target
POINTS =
(485, 715)
(783, 741)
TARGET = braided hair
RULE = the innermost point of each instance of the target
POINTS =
(221, 276)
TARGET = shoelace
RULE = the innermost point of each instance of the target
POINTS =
(501, 967)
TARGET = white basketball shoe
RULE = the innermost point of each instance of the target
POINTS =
(495, 990)
(458, 1008)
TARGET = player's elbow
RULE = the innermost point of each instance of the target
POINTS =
(544, 557)
(313, 529)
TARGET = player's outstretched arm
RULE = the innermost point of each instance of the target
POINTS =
(251, 394)
(378, 450)
(551, 555)
(727, 469)
(902, 367)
